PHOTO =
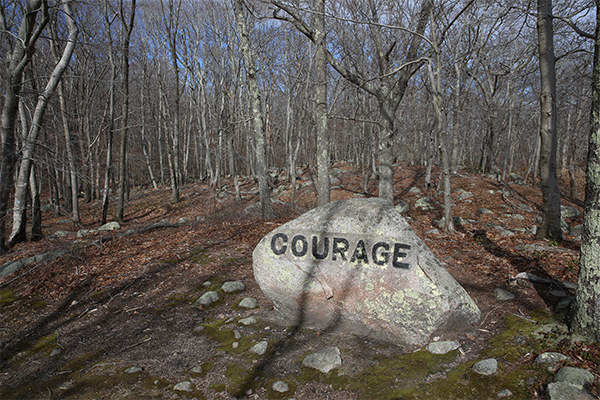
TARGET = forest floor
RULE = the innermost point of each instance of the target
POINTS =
(71, 327)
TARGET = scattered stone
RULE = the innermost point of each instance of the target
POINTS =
(335, 172)
(207, 284)
(55, 352)
(260, 348)
(324, 360)
(505, 393)
(424, 203)
(564, 226)
(249, 302)
(185, 386)
(233, 286)
(198, 328)
(537, 247)
(576, 231)
(565, 303)
(503, 295)
(402, 207)
(83, 233)
(207, 298)
(280, 386)
(110, 226)
(182, 220)
(334, 181)
(380, 293)
(197, 369)
(160, 224)
(549, 357)
(235, 345)
(569, 212)
(433, 231)
(60, 234)
(566, 391)
(485, 211)
(237, 334)
(442, 347)
(464, 195)
(577, 377)
(200, 218)
(133, 370)
(486, 367)
(457, 221)
(516, 217)
(247, 321)
(414, 190)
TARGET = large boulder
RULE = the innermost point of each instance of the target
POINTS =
(357, 266)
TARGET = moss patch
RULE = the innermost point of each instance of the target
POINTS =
(7, 297)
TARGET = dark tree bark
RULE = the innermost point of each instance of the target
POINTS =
(550, 228)
(128, 28)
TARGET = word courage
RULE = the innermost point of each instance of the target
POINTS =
(380, 253)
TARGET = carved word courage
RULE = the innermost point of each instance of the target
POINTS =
(332, 248)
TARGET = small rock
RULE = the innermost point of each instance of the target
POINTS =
(486, 367)
(569, 212)
(207, 284)
(198, 328)
(566, 391)
(185, 386)
(424, 203)
(83, 233)
(433, 231)
(233, 286)
(111, 226)
(235, 345)
(260, 348)
(464, 195)
(249, 302)
(208, 298)
(505, 393)
(182, 220)
(414, 190)
(549, 357)
(60, 234)
(133, 370)
(324, 360)
(247, 321)
(280, 386)
(558, 293)
(402, 206)
(577, 377)
(485, 211)
(576, 231)
(442, 347)
(197, 369)
(237, 334)
(503, 295)
(55, 352)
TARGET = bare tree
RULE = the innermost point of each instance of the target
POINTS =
(259, 125)
(128, 28)
(323, 154)
(551, 227)
(28, 149)
(17, 60)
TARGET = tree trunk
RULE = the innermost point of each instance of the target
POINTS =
(128, 27)
(323, 157)
(19, 59)
(36, 210)
(74, 192)
(259, 125)
(586, 320)
(549, 183)
(111, 117)
(40, 108)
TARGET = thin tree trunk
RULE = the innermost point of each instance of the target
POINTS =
(128, 27)
(259, 126)
(323, 157)
(551, 222)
